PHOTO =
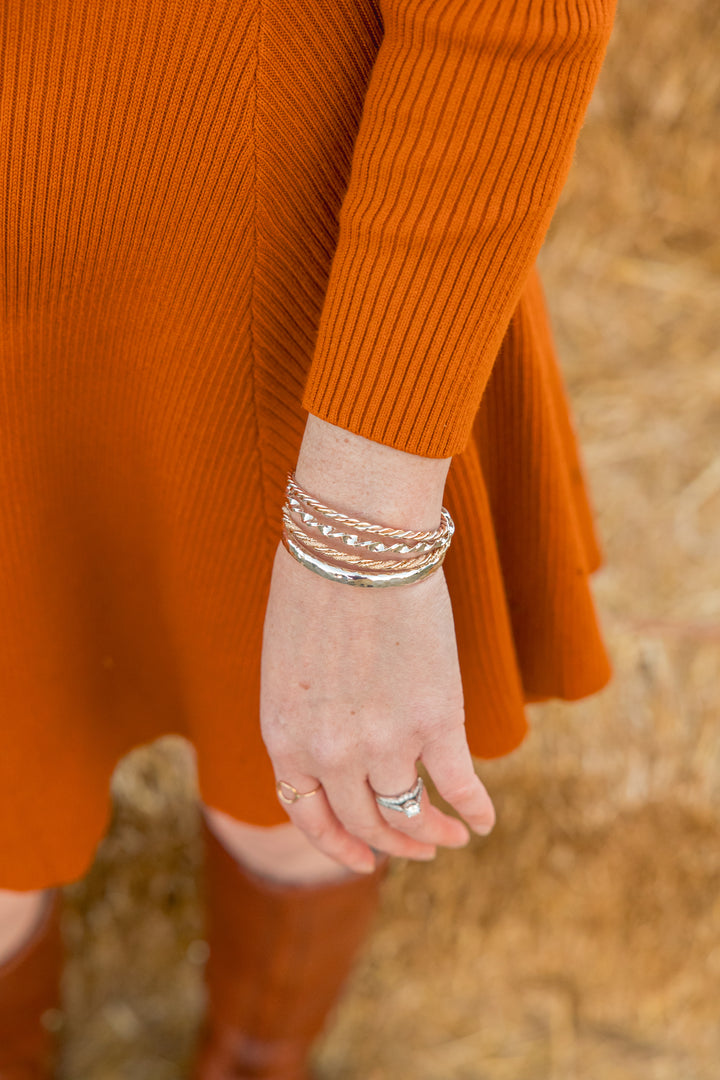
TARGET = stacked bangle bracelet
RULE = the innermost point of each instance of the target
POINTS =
(305, 535)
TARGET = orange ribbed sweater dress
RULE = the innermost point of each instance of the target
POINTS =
(217, 216)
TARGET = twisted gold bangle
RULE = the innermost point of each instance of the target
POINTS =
(353, 539)
(293, 488)
(347, 557)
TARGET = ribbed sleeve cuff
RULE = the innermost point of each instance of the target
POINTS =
(466, 138)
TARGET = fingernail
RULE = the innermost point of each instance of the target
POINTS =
(426, 856)
(482, 828)
(365, 867)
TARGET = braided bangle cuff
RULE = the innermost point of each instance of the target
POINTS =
(426, 552)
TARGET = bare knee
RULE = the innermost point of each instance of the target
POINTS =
(279, 851)
(19, 915)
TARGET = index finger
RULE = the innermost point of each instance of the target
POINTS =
(314, 816)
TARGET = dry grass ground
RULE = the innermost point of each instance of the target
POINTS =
(581, 940)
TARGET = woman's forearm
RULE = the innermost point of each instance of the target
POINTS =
(364, 478)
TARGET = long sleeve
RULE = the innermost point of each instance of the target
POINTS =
(466, 138)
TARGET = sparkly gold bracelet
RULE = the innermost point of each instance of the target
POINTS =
(426, 550)
(381, 530)
(354, 540)
(349, 559)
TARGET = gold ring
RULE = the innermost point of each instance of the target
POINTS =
(295, 793)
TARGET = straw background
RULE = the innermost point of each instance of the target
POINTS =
(581, 940)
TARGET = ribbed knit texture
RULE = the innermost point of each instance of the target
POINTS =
(216, 215)
(467, 134)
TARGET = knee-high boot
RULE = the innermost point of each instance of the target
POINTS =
(29, 987)
(280, 955)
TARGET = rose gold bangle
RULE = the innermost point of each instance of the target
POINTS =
(427, 553)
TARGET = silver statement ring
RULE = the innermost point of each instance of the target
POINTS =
(408, 802)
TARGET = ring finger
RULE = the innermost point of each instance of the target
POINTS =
(355, 806)
(316, 817)
(431, 824)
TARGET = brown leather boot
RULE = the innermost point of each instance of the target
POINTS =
(29, 986)
(280, 955)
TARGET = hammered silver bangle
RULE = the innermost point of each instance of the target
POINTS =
(377, 579)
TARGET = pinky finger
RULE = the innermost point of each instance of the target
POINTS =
(314, 816)
(450, 764)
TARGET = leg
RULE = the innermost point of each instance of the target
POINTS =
(31, 966)
(284, 923)
(20, 913)
(281, 852)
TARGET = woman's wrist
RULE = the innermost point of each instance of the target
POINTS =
(368, 479)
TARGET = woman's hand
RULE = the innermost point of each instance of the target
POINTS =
(357, 685)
